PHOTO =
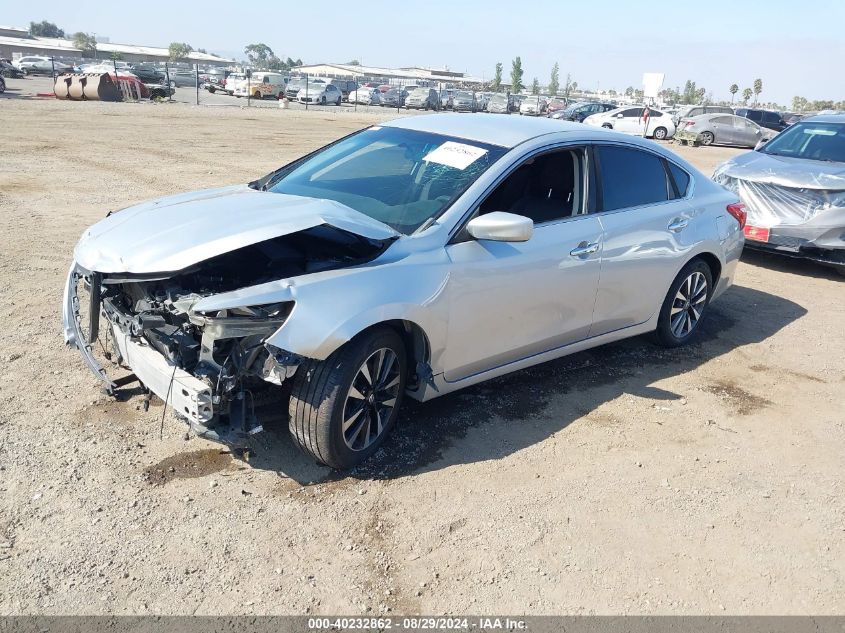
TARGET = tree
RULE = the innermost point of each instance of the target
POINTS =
(746, 95)
(799, 104)
(45, 29)
(354, 62)
(758, 88)
(567, 87)
(629, 91)
(733, 90)
(497, 78)
(554, 80)
(259, 54)
(574, 86)
(116, 56)
(535, 87)
(202, 50)
(516, 75)
(179, 51)
(84, 42)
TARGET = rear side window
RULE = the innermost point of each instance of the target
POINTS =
(630, 177)
(680, 177)
(755, 115)
(770, 117)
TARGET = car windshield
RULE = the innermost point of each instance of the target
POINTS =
(403, 178)
(813, 141)
(464, 95)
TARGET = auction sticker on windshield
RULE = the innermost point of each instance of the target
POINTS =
(457, 155)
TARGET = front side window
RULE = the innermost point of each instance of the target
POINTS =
(544, 188)
(403, 178)
(630, 177)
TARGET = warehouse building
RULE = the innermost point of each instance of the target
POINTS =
(16, 43)
(414, 75)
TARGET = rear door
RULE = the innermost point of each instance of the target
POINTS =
(646, 229)
(723, 129)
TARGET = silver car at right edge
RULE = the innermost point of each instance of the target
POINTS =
(793, 188)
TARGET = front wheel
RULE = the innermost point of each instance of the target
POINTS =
(684, 305)
(660, 133)
(341, 409)
(607, 126)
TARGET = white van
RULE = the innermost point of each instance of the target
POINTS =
(262, 84)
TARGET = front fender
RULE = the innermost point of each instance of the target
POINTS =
(331, 310)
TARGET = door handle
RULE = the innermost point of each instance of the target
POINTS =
(678, 224)
(584, 248)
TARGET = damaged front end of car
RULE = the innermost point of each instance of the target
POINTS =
(212, 367)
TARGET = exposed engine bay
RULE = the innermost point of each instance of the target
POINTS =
(224, 349)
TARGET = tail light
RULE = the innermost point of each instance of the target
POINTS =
(690, 123)
(737, 209)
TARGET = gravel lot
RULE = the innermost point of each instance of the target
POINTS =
(627, 479)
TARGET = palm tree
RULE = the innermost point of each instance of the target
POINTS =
(758, 88)
(746, 95)
(733, 90)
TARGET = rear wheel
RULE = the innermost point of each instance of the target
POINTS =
(684, 305)
(706, 138)
(660, 133)
(341, 409)
(257, 95)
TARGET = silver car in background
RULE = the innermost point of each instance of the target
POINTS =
(413, 258)
(794, 190)
(722, 129)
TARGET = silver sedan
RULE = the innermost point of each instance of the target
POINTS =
(722, 129)
(413, 258)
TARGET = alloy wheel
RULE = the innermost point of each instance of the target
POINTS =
(371, 399)
(688, 305)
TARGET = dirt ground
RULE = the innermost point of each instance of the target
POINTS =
(627, 479)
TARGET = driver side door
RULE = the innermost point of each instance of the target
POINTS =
(513, 300)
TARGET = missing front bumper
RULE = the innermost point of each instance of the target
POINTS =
(190, 397)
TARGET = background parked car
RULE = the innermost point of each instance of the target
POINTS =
(765, 118)
(499, 103)
(688, 112)
(8, 70)
(39, 65)
(581, 110)
(394, 98)
(555, 104)
(147, 73)
(422, 99)
(722, 129)
(295, 84)
(365, 96)
(533, 106)
(320, 94)
(263, 84)
(464, 101)
(630, 121)
(793, 188)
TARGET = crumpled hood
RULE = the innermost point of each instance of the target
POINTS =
(784, 171)
(172, 233)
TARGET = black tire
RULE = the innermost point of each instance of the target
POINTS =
(666, 334)
(660, 133)
(607, 126)
(322, 101)
(212, 89)
(320, 395)
(707, 138)
(337, 103)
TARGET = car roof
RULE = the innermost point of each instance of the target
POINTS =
(505, 131)
(825, 118)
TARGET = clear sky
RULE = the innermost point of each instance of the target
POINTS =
(796, 47)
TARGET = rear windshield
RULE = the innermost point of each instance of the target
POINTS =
(813, 141)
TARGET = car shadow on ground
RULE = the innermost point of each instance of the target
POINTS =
(792, 265)
(513, 410)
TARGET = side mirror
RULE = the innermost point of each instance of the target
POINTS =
(500, 226)
(619, 116)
